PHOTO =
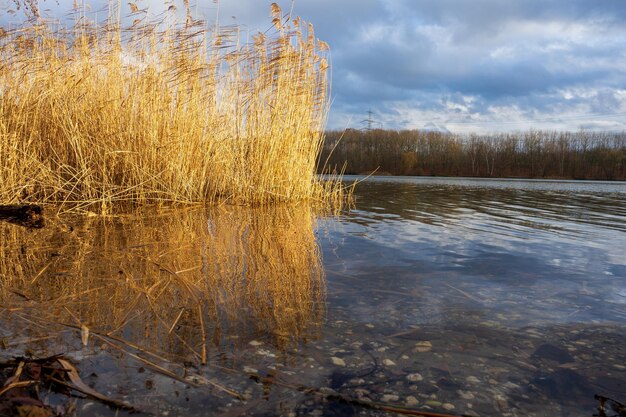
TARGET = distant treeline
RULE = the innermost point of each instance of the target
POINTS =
(533, 154)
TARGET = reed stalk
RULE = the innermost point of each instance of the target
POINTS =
(99, 115)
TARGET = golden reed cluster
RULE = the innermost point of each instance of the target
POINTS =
(99, 115)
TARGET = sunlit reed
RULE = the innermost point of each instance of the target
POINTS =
(99, 114)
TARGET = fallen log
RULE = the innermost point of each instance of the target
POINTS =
(27, 215)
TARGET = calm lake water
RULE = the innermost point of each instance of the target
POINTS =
(456, 296)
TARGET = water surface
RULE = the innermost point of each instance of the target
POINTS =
(458, 296)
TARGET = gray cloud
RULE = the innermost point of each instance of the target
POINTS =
(515, 59)
(479, 65)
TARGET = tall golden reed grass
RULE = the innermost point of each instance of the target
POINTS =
(171, 282)
(162, 112)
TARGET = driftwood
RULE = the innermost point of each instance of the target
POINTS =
(26, 378)
(27, 215)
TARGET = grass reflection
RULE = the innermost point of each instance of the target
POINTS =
(175, 282)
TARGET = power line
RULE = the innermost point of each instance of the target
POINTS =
(369, 121)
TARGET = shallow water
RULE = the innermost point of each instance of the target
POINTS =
(458, 296)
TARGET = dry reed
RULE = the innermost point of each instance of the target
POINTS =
(99, 114)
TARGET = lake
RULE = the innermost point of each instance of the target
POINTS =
(454, 296)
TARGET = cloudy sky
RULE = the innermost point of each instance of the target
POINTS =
(464, 65)
(478, 65)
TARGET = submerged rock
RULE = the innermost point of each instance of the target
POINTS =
(472, 380)
(414, 377)
(389, 398)
(554, 353)
(466, 395)
(424, 346)
(411, 401)
(338, 361)
(448, 383)
(448, 406)
(565, 385)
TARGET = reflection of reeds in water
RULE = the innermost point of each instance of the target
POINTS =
(178, 281)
